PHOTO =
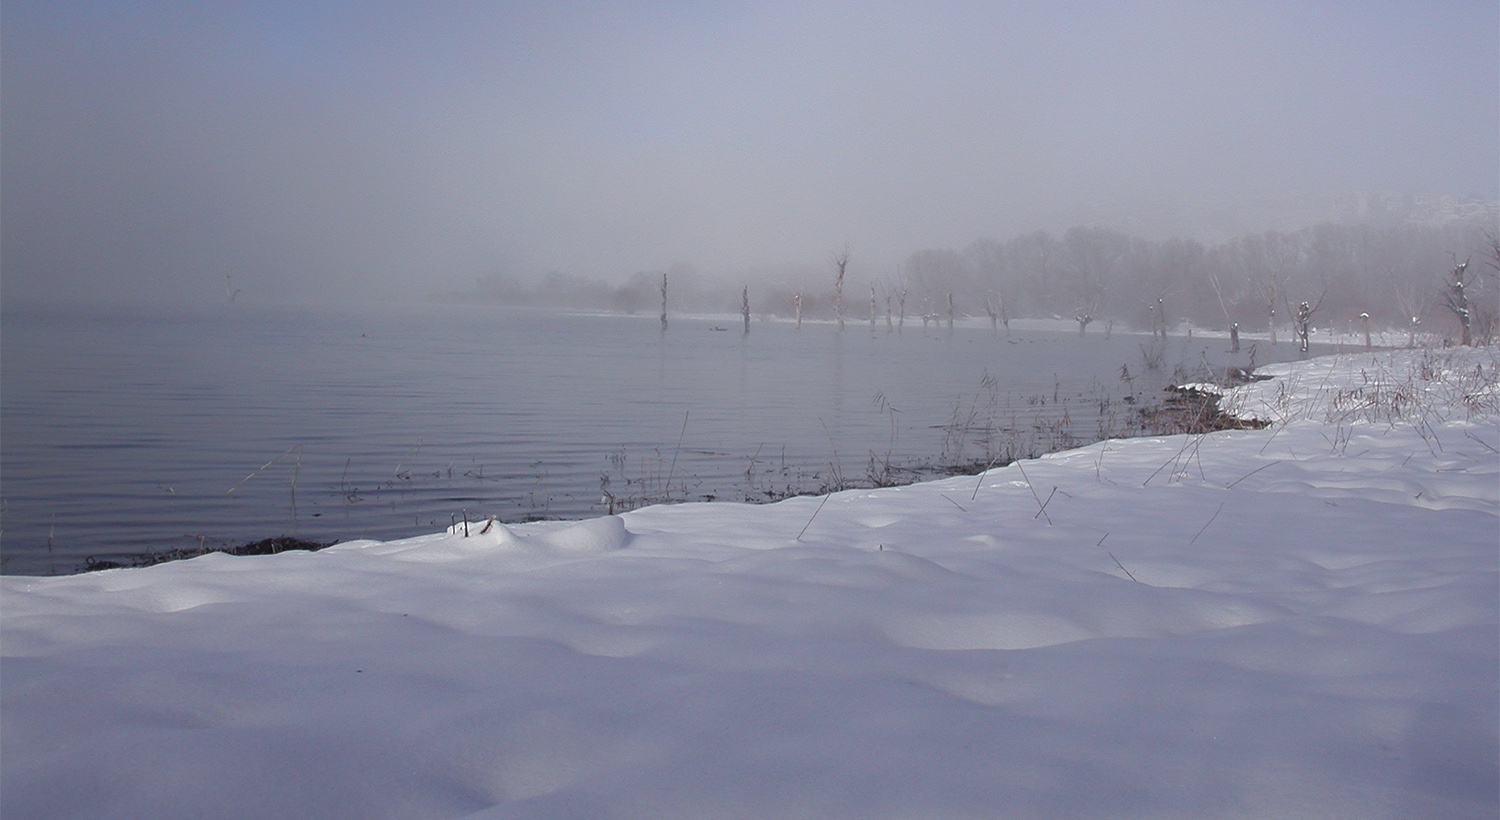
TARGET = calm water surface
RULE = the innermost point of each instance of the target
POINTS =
(125, 432)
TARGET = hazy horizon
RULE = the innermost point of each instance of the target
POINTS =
(336, 150)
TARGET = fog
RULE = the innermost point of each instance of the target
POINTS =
(185, 152)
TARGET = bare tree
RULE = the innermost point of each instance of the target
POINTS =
(1271, 257)
(1302, 321)
(1412, 307)
(1456, 299)
(1269, 291)
(663, 301)
(1234, 327)
(1085, 317)
(745, 307)
(994, 268)
(1487, 311)
(1161, 317)
(1492, 253)
(841, 261)
(1093, 257)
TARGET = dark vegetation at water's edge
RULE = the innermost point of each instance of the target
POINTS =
(1192, 411)
(977, 437)
(1182, 410)
(268, 546)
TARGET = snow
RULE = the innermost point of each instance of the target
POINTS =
(1300, 621)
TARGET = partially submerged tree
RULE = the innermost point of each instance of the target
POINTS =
(1234, 327)
(1270, 291)
(1003, 311)
(840, 262)
(995, 272)
(1093, 259)
(1302, 321)
(1085, 317)
(1412, 307)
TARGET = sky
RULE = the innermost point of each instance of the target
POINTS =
(168, 151)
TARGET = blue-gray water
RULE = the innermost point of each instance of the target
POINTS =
(125, 432)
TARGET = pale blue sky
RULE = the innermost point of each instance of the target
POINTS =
(393, 149)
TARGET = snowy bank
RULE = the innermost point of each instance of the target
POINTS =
(1300, 621)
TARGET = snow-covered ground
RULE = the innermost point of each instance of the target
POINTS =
(1299, 621)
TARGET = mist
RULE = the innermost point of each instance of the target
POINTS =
(190, 153)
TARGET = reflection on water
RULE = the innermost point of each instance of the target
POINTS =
(129, 432)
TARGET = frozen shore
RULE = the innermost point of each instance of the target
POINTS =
(1291, 622)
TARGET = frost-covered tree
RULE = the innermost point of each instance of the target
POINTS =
(1302, 322)
(1456, 299)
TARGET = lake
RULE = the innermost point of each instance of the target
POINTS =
(134, 431)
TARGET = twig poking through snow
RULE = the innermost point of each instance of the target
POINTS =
(1210, 521)
(1112, 557)
(1256, 470)
(814, 515)
(673, 469)
(978, 483)
(1040, 506)
(1043, 510)
(1121, 566)
(1482, 442)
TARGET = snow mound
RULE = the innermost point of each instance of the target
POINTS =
(597, 535)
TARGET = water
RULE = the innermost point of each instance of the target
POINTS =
(132, 432)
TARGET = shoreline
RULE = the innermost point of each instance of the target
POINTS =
(1188, 408)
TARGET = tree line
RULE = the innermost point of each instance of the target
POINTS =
(1390, 277)
(1395, 277)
